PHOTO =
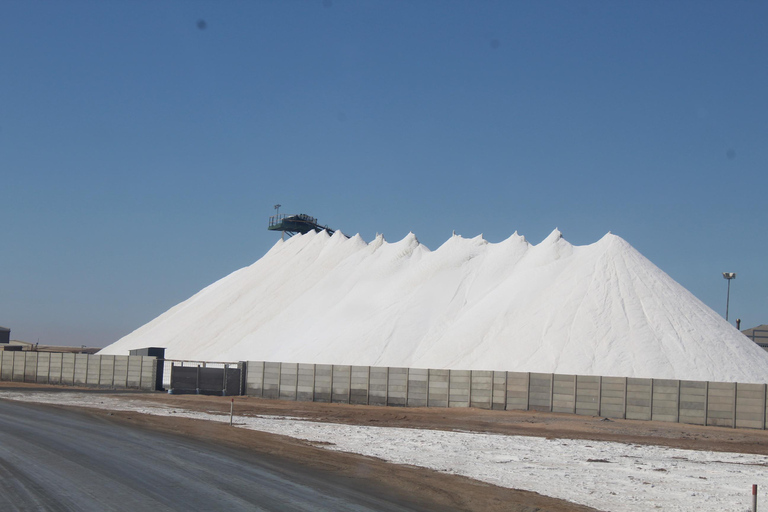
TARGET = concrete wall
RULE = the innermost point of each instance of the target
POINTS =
(323, 381)
(680, 401)
(499, 394)
(721, 407)
(113, 372)
(378, 386)
(270, 382)
(564, 393)
(750, 406)
(693, 402)
(305, 383)
(588, 395)
(481, 389)
(254, 378)
(397, 387)
(665, 404)
(438, 388)
(459, 388)
(359, 383)
(289, 381)
(518, 390)
(418, 387)
(341, 384)
(639, 399)
(540, 391)
(613, 397)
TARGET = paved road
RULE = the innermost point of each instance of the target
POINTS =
(65, 460)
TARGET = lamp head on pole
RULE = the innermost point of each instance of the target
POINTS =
(728, 276)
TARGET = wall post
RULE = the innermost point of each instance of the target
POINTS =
(625, 397)
(599, 396)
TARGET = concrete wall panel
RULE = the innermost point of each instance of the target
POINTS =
(341, 382)
(540, 392)
(19, 360)
(499, 398)
(323, 381)
(639, 398)
(148, 378)
(665, 402)
(6, 366)
(107, 371)
(459, 384)
(254, 378)
(517, 390)
(120, 377)
(121, 371)
(438, 388)
(564, 393)
(418, 387)
(289, 380)
(358, 393)
(54, 370)
(397, 387)
(613, 396)
(271, 380)
(134, 371)
(30, 366)
(43, 367)
(750, 406)
(481, 389)
(93, 370)
(377, 391)
(721, 404)
(587, 395)
(693, 402)
(81, 371)
(305, 387)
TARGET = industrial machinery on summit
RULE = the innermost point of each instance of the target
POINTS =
(295, 223)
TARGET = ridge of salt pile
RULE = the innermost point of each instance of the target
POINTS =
(599, 309)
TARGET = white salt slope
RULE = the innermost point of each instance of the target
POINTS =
(600, 309)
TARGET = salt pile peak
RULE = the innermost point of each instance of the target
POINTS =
(599, 309)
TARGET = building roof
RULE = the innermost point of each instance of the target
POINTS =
(759, 333)
(4, 328)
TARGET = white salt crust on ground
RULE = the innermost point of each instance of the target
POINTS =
(599, 309)
(604, 475)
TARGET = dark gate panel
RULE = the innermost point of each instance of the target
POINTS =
(206, 381)
(184, 379)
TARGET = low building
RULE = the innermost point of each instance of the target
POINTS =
(5, 335)
(758, 334)
(18, 345)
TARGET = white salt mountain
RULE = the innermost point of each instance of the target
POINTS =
(599, 309)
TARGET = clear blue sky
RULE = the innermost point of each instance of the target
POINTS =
(143, 144)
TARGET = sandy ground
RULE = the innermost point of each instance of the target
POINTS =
(435, 489)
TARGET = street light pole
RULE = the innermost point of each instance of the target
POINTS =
(728, 276)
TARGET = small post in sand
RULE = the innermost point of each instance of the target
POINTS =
(754, 497)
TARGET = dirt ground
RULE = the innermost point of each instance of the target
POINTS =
(437, 490)
(525, 423)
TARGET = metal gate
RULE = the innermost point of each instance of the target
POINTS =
(205, 380)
